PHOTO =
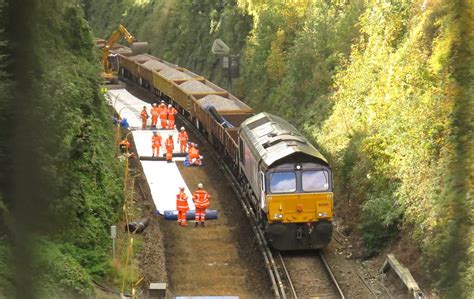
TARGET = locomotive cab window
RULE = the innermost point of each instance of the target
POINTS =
(283, 182)
(315, 180)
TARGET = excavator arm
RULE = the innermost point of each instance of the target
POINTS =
(121, 31)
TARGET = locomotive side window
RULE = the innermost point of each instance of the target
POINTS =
(315, 180)
(282, 182)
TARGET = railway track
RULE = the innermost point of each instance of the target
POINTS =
(281, 279)
(281, 275)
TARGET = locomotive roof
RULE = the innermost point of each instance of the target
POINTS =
(273, 138)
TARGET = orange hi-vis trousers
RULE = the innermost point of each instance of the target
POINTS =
(155, 150)
(182, 217)
(182, 146)
(200, 214)
(154, 120)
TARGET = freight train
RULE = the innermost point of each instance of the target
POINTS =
(286, 179)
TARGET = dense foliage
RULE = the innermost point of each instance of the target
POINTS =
(60, 182)
(383, 87)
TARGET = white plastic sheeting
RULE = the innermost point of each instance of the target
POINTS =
(164, 179)
(128, 106)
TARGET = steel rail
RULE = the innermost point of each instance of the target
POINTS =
(333, 278)
(288, 277)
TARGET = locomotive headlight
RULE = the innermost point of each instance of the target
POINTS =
(277, 216)
(322, 214)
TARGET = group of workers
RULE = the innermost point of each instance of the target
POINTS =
(167, 121)
(184, 146)
(201, 201)
(165, 114)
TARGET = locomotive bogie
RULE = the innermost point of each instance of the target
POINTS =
(299, 236)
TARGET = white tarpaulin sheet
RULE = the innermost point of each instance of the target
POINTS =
(128, 106)
(164, 180)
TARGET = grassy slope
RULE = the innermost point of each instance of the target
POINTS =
(63, 189)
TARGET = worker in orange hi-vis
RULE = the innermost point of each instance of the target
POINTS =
(169, 144)
(163, 115)
(183, 140)
(182, 206)
(171, 113)
(154, 115)
(201, 201)
(124, 146)
(155, 144)
(144, 116)
(194, 156)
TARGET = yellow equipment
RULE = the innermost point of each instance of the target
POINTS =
(108, 73)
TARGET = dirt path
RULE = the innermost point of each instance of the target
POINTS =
(221, 258)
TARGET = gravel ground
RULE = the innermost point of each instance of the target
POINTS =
(221, 258)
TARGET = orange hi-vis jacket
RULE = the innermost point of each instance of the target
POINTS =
(183, 137)
(163, 112)
(155, 111)
(144, 115)
(171, 112)
(193, 153)
(182, 202)
(125, 143)
(201, 199)
(155, 141)
(169, 143)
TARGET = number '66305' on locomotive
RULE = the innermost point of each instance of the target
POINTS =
(289, 181)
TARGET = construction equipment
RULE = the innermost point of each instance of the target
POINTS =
(109, 73)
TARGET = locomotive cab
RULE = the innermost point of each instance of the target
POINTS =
(299, 205)
(290, 181)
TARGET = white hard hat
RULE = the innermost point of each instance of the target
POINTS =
(171, 135)
(154, 104)
(162, 101)
(169, 106)
(181, 188)
(200, 186)
(182, 129)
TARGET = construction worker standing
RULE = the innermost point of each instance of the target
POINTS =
(171, 113)
(201, 201)
(163, 115)
(169, 144)
(154, 115)
(183, 140)
(182, 206)
(155, 144)
(144, 116)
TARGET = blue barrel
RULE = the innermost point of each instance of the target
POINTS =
(173, 215)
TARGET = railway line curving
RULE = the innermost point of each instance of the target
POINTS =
(280, 277)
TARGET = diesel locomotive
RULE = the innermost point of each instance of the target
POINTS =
(286, 179)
